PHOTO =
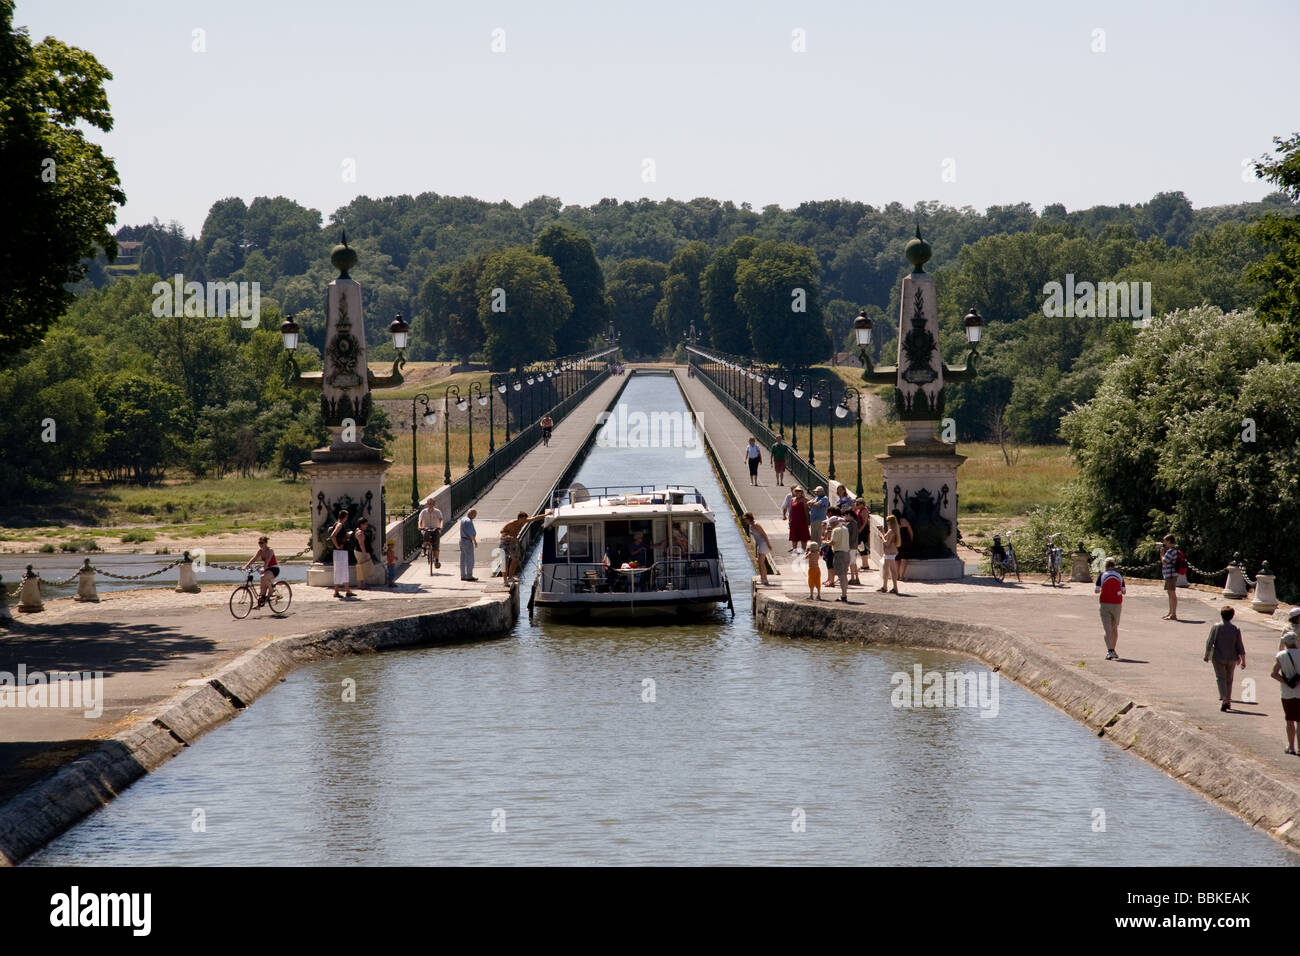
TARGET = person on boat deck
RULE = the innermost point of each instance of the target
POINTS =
(639, 551)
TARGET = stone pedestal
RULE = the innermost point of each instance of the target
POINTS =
(347, 477)
(1236, 586)
(1081, 567)
(1265, 596)
(186, 583)
(86, 584)
(920, 481)
(29, 594)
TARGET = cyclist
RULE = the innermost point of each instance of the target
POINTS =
(547, 424)
(431, 527)
(270, 567)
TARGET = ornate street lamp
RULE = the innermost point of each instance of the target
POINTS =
(974, 326)
(781, 386)
(499, 384)
(446, 429)
(862, 330)
(816, 402)
(842, 411)
(799, 389)
(430, 418)
(399, 331)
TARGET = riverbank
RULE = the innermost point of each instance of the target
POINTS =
(1158, 701)
(174, 667)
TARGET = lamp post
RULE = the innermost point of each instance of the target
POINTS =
(799, 389)
(842, 411)
(430, 419)
(862, 331)
(482, 400)
(816, 402)
(446, 429)
(770, 379)
(499, 384)
(782, 383)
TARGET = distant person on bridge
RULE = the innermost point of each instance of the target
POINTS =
(1224, 649)
(761, 544)
(797, 514)
(270, 567)
(510, 543)
(341, 541)
(548, 424)
(1110, 585)
(753, 458)
(779, 451)
(468, 542)
(1286, 671)
(817, 512)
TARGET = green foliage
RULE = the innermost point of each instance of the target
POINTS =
(1279, 272)
(536, 305)
(777, 289)
(61, 190)
(728, 328)
(1164, 445)
(636, 286)
(575, 257)
(682, 304)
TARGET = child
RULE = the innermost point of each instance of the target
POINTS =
(391, 557)
(814, 573)
(829, 557)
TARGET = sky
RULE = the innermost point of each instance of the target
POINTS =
(1080, 103)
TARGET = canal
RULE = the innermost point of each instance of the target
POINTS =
(543, 748)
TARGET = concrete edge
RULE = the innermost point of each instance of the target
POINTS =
(47, 808)
(1237, 783)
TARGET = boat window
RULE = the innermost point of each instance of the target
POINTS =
(685, 538)
(573, 542)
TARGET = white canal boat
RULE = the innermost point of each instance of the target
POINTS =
(630, 551)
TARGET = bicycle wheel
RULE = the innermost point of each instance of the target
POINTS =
(242, 601)
(279, 597)
(999, 569)
(428, 551)
(1012, 566)
(1051, 572)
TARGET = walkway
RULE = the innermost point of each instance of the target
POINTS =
(523, 488)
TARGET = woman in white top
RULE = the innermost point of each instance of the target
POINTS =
(761, 544)
(1285, 669)
(889, 566)
(753, 458)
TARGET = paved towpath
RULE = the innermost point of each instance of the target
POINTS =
(523, 488)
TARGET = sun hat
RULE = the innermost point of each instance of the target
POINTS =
(1295, 613)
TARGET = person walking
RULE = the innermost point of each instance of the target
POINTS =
(800, 534)
(1224, 649)
(905, 538)
(365, 561)
(1286, 671)
(889, 566)
(431, 529)
(762, 545)
(468, 542)
(1172, 563)
(1110, 585)
(817, 512)
(840, 554)
(862, 517)
(779, 451)
(340, 541)
(754, 458)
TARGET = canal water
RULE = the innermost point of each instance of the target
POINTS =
(544, 747)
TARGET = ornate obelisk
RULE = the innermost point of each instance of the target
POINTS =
(920, 472)
(347, 474)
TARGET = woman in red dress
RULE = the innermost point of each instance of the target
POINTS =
(799, 533)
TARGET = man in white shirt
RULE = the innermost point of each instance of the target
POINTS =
(431, 528)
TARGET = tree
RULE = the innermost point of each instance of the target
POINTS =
(1194, 433)
(1279, 306)
(777, 289)
(61, 190)
(465, 329)
(636, 286)
(144, 419)
(682, 304)
(727, 327)
(575, 257)
(521, 303)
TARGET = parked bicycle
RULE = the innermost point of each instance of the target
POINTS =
(1002, 559)
(244, 598)
(1053, 555)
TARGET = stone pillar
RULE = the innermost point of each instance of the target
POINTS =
(1236, 586)
(186, 583)
(1081, 566)
(86, 583)
(1265, 596)
(29, 594)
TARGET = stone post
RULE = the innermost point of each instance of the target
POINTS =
(1236, 586)
(186, 583)
(29, 595)
(86, 583)
(1265, 597)
(1080, 566)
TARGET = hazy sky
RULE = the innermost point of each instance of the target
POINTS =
(888, 101)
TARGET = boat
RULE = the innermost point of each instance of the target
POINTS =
(629, 551)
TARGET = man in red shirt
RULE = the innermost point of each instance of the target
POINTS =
(1110, 585)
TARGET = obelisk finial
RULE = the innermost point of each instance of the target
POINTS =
(344, 257)
(917, 251)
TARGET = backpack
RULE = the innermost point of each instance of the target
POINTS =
(1294, 679)
(1180, 562)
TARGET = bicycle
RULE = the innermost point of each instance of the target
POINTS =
(244, 598)
(429, 550)
(1002, 559)
(1053, 559)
